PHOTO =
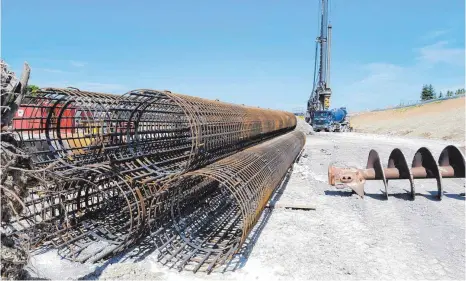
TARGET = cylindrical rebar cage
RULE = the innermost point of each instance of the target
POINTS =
(214, 208)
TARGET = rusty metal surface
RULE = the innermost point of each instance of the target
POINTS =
(451, 164)
(15, 178)
(163, 130)
(108, 159)
(213, 209)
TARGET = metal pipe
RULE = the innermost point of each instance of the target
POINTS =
(329, 40)
(394, 173)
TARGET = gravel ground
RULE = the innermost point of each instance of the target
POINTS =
(350, 238)
(344, 238)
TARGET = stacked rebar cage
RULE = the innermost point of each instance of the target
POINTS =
(192, 173)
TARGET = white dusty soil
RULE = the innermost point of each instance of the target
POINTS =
(344, 238)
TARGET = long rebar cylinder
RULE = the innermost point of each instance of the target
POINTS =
(215, 208)
(84, 127)
(114, 154)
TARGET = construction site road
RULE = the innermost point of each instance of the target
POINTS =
(372, 238)
(345, 237)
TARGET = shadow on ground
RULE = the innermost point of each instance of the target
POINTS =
(100, 269)
(240, 260)
(433, 195)
(148, 246)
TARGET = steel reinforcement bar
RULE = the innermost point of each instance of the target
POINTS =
(114, 153)
(164, 131)
(213, 209)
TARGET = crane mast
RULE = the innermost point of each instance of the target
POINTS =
(321, 92)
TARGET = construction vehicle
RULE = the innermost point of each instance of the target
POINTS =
(318, 113)
(335, 120)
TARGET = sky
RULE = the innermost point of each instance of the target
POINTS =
(256, 52)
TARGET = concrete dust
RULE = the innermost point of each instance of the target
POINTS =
(437, 120)
(345, 237)
(49, 265)
(304, 127)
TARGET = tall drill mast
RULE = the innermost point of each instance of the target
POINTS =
(321, 92)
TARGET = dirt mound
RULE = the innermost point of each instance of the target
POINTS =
(304, 127)
(437, 120)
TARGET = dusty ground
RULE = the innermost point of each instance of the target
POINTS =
(417, 121)
(344, 238)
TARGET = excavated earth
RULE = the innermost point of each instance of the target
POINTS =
(345, 237)
(436, 120)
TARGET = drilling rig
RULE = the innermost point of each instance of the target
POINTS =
(318, 113)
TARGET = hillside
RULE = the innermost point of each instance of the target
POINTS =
(437, 120)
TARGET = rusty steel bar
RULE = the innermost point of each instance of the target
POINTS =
(99, 207)
(210, 130)
(112, 154)
(213, 209)
(67, 124)
(451, 164)
(164, 131)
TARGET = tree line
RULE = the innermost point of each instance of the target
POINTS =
(428, 93)
(33, 89)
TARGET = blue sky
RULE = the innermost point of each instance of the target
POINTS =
(255, 52)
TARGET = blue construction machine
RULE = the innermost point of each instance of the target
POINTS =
(318, 113)
(335, 120)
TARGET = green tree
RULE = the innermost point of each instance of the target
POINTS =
(32, 89)
(449, 93)
(460, 92)
(432, 93)
(440, 95)
(425, 95)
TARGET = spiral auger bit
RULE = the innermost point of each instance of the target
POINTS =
(451, 164)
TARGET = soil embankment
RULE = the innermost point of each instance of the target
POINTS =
(437, 120)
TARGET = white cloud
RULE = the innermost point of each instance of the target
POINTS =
(77, 63)
(99, 87)
(381, 72)
(385, 84)
(50, 70)
(440, 52)
(434, 34)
